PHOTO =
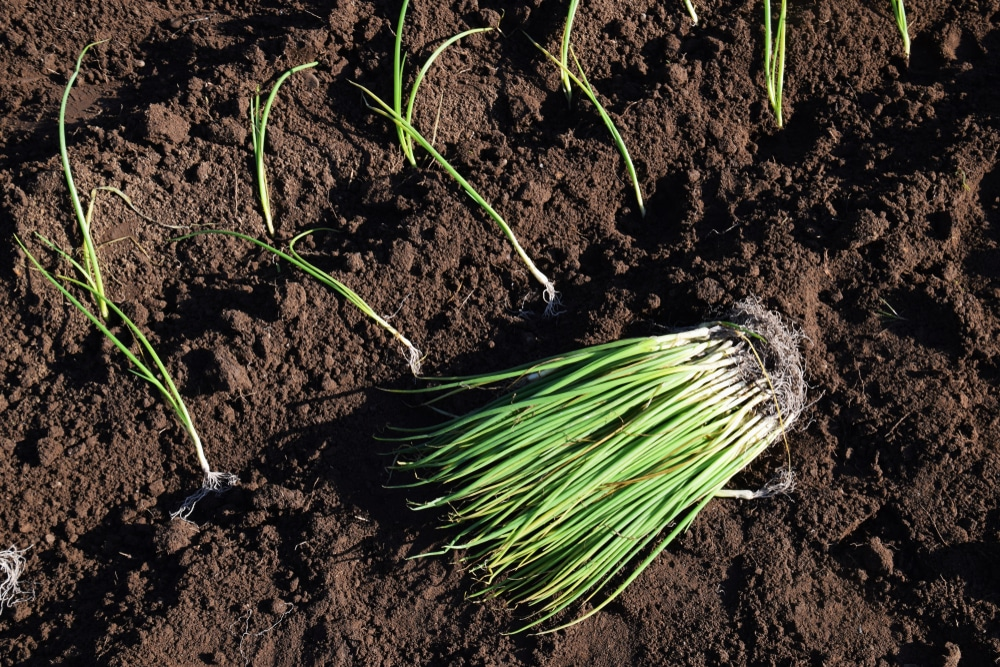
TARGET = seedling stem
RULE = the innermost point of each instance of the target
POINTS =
(774, 58)
(91, 270)
(899, 12)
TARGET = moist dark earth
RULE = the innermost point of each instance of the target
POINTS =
(871, 220)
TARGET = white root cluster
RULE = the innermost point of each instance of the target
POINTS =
(413, 356)
(553, 303)
(783, 368)
(215, 482)
(775, 365)
(12, 564)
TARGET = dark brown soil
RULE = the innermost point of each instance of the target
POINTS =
(880, 196)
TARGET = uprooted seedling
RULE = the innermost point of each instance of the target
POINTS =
(146, 364)
(413, 355)
(381, 108)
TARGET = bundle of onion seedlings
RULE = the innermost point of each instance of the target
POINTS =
(566, 486)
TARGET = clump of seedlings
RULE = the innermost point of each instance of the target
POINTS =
(899, 13)
(146, 364)
(258, 131)
(580, 79)
(566, 486)
(774, 57)
(12, 565)
(398, 65)
(550, 295)
(413, 355)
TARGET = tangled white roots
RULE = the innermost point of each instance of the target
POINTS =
(779, 361)
(11, 567)
(215, 482)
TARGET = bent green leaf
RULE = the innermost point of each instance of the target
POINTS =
(258, 132)
(398, 63)
(616, 136)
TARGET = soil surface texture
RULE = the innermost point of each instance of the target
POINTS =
(871, 220)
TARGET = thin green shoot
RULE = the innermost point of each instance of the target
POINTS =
(550, 295)
(152, 371)
(564, 49)
(616, 136)
(91, 270)
(887, 312)
(585, 466)
(399, 62)
(12, 563)
(774, 58)
(962, 179)
(258, 130)
(413, 355)
(899, 13)
(691, 11)
(420, 77)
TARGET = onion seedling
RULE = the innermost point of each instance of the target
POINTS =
(774, 58)
(258, 130)
(152, 371)
(398, 63)
(11, 568)
(565, 487)
(616, 136)
(550, 295)
(899, 12)
(413, 355)
(91, 270)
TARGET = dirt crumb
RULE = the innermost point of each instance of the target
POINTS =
(164, 126)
